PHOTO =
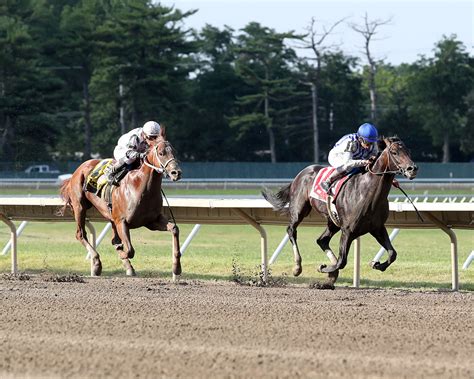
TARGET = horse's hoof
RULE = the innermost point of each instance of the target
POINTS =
(176, 278)
(322, 286)
(177, 270)
(378, 266)
(321, 268)
(297, 270)
(96, 273)
(96, 268)
(131, 272)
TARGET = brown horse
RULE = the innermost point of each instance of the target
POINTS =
(362, 206)
(136, 202)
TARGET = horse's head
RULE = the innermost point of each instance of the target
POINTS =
(161, 156)
(397, 157)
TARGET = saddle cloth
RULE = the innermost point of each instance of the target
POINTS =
(96, 179)
(318, 193)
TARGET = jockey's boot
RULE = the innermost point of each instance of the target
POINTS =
(336, 175)
(113, 170)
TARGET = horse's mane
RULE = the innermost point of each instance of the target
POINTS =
(382, 144)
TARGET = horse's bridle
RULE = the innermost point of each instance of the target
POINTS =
(390, 159)
(162, 168)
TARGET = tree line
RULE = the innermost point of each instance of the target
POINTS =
(76, 74)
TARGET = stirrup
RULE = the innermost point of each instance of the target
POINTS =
(112, 180)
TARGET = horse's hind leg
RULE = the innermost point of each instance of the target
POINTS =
(325, 238)
(81, 236)
(381, 235)
(126, 251)
(297, 215)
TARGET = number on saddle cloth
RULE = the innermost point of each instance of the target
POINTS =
(93, 183)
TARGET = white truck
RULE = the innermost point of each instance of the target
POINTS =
(41, 169)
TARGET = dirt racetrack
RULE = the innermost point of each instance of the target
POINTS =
(152, 328)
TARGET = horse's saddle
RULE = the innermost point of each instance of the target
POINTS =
(96, 181)
(318, 193)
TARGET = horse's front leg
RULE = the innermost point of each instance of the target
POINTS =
(126, 251)
(344, 246)
(164, 225)
(381, 235)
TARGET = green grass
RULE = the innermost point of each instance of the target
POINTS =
(423, 255)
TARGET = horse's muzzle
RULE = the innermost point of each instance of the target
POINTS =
(175, 174)
(411, 171)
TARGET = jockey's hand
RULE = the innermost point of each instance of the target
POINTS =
(372, 159)
(132, 154)
(142, 155)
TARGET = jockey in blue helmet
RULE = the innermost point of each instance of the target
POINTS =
(352, 151)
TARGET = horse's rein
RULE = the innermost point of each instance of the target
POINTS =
(162, 168)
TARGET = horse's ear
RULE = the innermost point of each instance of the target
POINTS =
(163, 132)
(381, 143)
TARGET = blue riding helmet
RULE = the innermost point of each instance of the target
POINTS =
(368, 132)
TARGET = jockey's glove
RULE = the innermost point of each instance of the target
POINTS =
(131, 154)
(361, 163)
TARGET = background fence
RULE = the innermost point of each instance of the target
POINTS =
(248, 170)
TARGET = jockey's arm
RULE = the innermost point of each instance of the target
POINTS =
(131, 153)
(354, 163)
(344, 160)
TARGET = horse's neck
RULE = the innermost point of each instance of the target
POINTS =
(379, 184)
(152, 184)
(145, 181)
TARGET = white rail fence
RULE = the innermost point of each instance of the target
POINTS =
(446, 216)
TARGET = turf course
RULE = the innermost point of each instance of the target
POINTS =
(215, 253)
(423, 255)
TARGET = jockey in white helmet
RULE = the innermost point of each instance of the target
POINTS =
(352, 151)
(130, 147)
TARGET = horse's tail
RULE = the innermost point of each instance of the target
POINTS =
(64, 193)
(278, 200)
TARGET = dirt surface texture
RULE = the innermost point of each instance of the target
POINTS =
(154, 328)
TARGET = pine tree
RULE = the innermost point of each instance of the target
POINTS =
(264, 62)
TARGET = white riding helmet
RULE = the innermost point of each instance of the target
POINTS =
(151, 128)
